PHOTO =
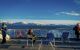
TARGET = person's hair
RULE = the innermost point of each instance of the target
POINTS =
(29, 31)
(77, 24)
(2, 24)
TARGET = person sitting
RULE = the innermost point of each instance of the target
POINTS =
(31, 36)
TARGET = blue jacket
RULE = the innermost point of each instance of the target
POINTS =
(4, 31)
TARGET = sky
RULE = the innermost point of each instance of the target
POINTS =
(40, 9)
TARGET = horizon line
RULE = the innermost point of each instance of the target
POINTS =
(43, 21)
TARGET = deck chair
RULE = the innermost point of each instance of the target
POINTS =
(12, 33)
(48, 40)
(29, 39)
(64, 36)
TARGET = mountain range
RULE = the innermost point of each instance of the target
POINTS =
(21, 25)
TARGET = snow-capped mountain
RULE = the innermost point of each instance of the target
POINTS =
(43, 22)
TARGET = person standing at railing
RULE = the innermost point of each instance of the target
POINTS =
(4, 31)
(77, 30)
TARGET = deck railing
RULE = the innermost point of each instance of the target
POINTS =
(24, 42)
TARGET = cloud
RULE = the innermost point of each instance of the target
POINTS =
(72, 13)
(77, 1)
